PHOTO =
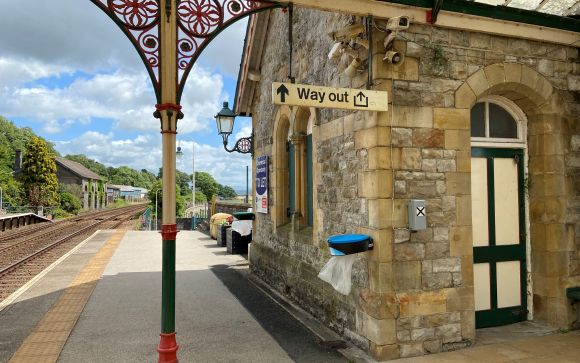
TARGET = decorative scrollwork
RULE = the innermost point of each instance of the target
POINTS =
(186, 48)
(200, 18)
(244, 145)
(199, 21)
(149, 44)
(135, 14)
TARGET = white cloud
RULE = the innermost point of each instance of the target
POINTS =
(78, 34)
(128, 99)
(225, 51)
(246, 129)
(15, 71)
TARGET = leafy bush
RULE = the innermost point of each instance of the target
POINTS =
(59, 213)
(70, 203)
(119, 203)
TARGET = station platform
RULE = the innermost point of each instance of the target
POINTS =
(102, 303)
(11, 221)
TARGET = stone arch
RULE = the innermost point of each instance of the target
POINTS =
(547, 183)
(529, 89)
(301, 123)
(279, 182)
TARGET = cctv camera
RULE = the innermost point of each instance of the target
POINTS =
(389, 39)
(398, 23)
(362, 42)
(337, 50)
(348, 33)
(351, 70)
(394, 57)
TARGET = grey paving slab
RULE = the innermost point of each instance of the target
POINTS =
(19, 319)
(121, 321)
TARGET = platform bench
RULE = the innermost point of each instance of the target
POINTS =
(573, 293)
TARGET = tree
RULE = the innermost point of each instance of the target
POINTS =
(179, 200)
(200, 197)
(39, 174)
(206, 184)
(227, 192)
(13, 138)
(90, 164)
(182, 179)
(70, 203)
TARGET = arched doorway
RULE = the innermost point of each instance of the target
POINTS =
(547, 185)
(498, 212)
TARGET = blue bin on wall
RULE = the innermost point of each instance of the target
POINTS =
(347, 244)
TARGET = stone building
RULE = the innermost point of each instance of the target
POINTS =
(483, 126)
(88, 186)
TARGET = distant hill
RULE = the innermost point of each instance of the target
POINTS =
(15, 138)
(122, 175)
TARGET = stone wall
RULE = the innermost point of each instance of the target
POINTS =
(231, 208)
(413, 294)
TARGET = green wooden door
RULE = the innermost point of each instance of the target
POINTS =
(309, 181)
(499, 243)
(291, 184)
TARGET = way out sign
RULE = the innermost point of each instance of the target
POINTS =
(292, 94)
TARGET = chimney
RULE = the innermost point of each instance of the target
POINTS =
(18, 160)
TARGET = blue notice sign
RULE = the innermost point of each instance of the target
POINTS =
(261, 201)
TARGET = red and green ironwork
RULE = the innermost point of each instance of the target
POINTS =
(199, 22)
(193, 24)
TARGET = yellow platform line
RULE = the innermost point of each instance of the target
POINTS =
(49, 336)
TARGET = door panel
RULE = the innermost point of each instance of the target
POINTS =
(507, 229)
(499, 242)
(479, 201)
(508, 284)
(482, 283)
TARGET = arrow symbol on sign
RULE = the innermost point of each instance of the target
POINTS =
(283, 92)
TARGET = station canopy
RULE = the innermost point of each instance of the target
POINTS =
(553, 7)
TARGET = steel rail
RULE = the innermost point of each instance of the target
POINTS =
(62, 224)
(32, 228)
(11, 267)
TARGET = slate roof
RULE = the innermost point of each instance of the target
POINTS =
(78, 169)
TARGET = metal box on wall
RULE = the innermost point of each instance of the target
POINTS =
(417, 215)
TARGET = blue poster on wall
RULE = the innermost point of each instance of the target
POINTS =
(261, 202)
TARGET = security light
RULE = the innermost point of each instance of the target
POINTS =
(352, 69)
(337, 50)
(348, 33)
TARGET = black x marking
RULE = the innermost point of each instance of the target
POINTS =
(420, 211)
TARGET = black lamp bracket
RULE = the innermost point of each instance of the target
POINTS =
(244, 145)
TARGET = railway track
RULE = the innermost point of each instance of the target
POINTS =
(23, 257)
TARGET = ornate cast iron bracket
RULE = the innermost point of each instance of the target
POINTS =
(244, 145)
(199, 22)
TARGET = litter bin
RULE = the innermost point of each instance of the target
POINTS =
(237, 244)
(222, 235)
(347, 244)
(215, 221)
(244, 216)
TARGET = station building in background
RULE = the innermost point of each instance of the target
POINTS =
(484, 127)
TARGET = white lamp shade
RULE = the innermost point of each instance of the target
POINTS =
(225, 124)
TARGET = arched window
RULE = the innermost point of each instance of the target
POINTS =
(293, 167)
(300, 166)
(497, 120)
(281, 175)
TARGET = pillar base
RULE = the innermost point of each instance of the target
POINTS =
(167, 348)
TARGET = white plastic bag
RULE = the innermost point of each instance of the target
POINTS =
(244, 228)
(337, 272)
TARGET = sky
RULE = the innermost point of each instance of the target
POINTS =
(70, 74)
